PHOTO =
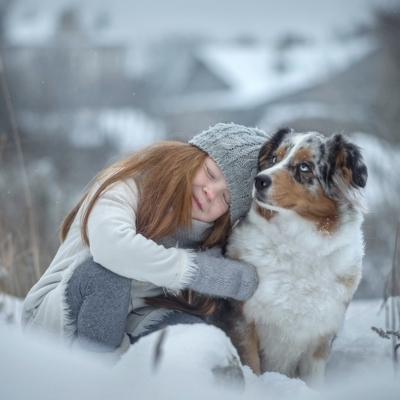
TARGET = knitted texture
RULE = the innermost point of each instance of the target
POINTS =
(235, 149)
(223, 277)
(188, 238)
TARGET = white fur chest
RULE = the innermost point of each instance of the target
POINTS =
(301, 294)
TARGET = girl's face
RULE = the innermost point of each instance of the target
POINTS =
(210, 192)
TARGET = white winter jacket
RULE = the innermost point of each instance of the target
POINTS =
(115, 244)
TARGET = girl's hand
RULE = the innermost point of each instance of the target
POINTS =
(223, 277)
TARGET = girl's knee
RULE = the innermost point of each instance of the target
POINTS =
(92, 277)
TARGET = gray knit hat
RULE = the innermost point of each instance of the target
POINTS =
(235, 149)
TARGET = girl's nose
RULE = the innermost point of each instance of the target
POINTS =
(210, 192)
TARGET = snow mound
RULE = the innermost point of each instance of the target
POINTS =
(195, 361)
(199, 351)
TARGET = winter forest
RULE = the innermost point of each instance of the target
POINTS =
(85, 83)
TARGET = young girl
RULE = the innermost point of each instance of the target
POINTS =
(140, 231)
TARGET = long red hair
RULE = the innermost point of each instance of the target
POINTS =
(164, 173)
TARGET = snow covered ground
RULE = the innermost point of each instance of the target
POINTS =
(191, 365)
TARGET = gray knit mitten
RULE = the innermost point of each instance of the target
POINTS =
(223, 277)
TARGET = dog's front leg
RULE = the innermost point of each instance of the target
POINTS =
(312, 371)
(249, 348)
(230, 317)
(312, 363)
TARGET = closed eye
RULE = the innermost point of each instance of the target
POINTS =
(209, 172)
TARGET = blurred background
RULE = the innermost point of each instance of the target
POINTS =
(83, 83)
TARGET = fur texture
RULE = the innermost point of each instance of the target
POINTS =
(303, 234)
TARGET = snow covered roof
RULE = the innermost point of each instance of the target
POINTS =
(260, 73)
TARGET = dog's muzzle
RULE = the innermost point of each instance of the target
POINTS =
(262, 183)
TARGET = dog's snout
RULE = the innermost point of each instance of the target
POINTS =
(262, 182)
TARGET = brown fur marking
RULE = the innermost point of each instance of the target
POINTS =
(347, 175)
(323, 348)
(315, 207)
(340, 163)
(243, 334)
(265, 155)
(349, 281)
(280, 153)
(265, 212)
(302, 154)
(251, 352)
(234, 254)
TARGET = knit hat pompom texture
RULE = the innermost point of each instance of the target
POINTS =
(235, 149)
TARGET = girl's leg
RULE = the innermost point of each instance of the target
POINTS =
(98, 302)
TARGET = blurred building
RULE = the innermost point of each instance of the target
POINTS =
(66, 69)
(68, 82)
(346, 84)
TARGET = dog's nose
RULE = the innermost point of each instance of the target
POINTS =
(262, 182)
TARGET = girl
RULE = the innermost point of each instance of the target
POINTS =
(138, 232)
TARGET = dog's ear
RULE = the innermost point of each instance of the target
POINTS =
(271, 145)
(345, 162)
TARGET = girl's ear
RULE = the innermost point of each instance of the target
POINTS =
(345, 162)
(271, 145)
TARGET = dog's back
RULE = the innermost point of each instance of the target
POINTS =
(303, 234)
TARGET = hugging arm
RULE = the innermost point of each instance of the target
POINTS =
(223, 277)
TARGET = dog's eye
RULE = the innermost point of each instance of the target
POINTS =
(273, 161)
(304, 167)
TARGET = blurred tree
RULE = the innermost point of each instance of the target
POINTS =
(384, 112)
(4, 117)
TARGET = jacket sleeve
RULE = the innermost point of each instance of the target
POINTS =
(115, 244)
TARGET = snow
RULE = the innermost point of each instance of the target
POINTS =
(360, 365)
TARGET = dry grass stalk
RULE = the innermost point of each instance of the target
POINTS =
(34, 247)
(391, 303)
(17, 274)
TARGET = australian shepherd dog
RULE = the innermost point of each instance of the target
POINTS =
(303, 234)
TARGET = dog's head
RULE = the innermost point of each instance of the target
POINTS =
(309, 174)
